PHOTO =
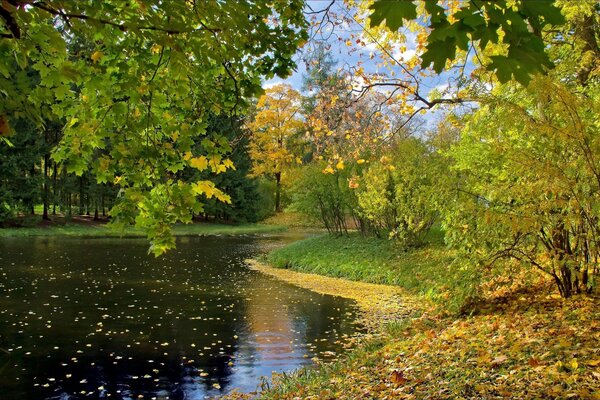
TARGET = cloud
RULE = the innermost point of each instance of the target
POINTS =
(404, 55)
(273, 82)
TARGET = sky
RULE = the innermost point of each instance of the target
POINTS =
(353, 56)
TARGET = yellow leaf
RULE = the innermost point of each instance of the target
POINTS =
(340, 165)
(228, 164)
(96, 56)
(200, 163)
(204, 187)
(360, 161)
(328, 170)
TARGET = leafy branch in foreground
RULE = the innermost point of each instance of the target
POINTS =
(515, 25)
(134, 84)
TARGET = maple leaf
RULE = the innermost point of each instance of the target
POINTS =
(393, 12)
(200, 163)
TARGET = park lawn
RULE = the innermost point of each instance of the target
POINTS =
(427, 271)
(83, 230)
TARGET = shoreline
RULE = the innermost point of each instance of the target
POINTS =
(378, 304)
(101, 230)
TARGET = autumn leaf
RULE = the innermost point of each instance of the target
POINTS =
(4, 127)
(398, 378)
(200, 163)
(96, 56)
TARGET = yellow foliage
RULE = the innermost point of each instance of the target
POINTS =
(200, 163)
(96, 56)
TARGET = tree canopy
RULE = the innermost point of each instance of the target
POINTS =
(133, 82)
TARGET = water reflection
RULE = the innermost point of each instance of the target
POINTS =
(98, 318)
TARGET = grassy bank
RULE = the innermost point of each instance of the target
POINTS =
(423, 271)
(524, 344)
(86, 230)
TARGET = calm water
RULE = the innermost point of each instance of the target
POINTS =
(99, 318)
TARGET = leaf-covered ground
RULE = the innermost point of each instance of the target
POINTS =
(530, 345)
(528, 349)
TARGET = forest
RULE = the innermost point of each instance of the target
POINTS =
(448, 149)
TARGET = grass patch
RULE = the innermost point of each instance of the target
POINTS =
(86, 230)
(423, 271)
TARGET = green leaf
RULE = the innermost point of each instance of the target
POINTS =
(544, 9)
(393, 12)
(438, 52)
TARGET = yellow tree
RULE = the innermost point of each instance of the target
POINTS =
(276, 129)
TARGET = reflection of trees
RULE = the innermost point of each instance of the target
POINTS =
(96, 280)
(268, 320)
(280, 317)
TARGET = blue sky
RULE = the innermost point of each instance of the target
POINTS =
(348, 57)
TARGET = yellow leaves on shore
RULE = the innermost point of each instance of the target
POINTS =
(378, 303)
(538, 347)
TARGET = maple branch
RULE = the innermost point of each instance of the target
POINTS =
(235, 85)
(121, 26)
(11, 24)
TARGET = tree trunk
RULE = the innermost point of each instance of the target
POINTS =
(81, 197)
(96, 214)
(32, 198)
(54, 188)
(46, 188)
(278, 192)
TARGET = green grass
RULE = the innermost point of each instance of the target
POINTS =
(423, 271)
(101, 230)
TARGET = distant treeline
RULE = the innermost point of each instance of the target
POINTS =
(32, 183)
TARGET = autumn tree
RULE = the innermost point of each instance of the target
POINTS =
(276, 129)
(397, 194)
(529, 161)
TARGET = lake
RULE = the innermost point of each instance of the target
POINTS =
(99, 318)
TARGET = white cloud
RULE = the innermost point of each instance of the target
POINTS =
(404, 55)
(272, 82)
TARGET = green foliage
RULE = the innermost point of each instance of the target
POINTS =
(516, 25)
(530, 188)
(324, 196)
(20, 178)
(528, 167)
(135, 82)
(246, 204)
(398, 196)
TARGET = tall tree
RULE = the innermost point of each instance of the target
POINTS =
(276, 132)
